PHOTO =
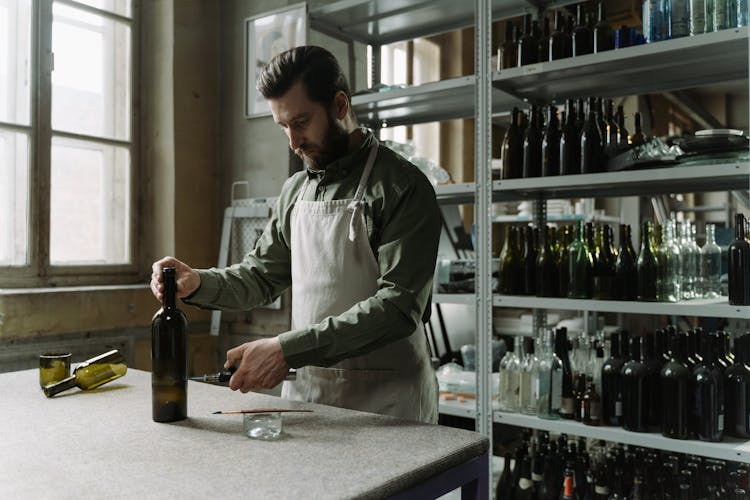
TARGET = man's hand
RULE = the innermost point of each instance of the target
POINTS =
(260, 365)
(188, 280)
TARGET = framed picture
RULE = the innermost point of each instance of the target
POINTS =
(267, 35)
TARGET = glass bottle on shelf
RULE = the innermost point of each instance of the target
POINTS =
(551, 144)
(679, 18)
(670, 266)
(691, 261)
(597, 362)
(647, 265)
(722, 14)
(591, 142)
(563, 261)
(708, 391)
(579, 391)
(592, 406)
(558, 39)
(580, 266)
(570, 142)
(601, 122)
(567, 401)
(708, 15)
(544, 40)
(547, 267)
(512, 149)
(697, 17)
(532, 146)
(742, 13)
(529, 261)
(528, 45)
(675, 392)
(626, 276)
(653, 363)
(529, 375)
(510, 263)
(739, 265)
(604, 38)
(569, 487)
(509, 48)
(525, 489)
(638, 137)
(737, 391)
(612, 384)
(635, 410)
(612, 136)
(604, 274)
(510, 374)
(620, 119)
(710, 265)
(550, 381)
(504, 482)
(583, 36)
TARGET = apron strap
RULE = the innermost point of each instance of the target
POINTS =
(355, 206)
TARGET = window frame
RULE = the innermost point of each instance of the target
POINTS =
(39, 272)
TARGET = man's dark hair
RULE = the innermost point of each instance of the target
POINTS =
(317, 68)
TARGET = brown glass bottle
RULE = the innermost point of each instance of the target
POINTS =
(647, 265)
(591, 142)
(637, 137)
(570, 143)
(612, 136)
(583, 36)
(528, 45)
(604, 274)
(620, 118)
(169, 356)
(512, 149)
(509, 48)
(558, 39)
(532, 146)
(551, 144)
(547, 266)
(626, 277)
(511, 281)
(739, 265)
(529, 261)
(592, 406)
(604, 38)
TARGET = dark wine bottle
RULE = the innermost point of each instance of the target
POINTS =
(532, 146)
(591, 142)
(525, 489)
(511, 264)
(612, 384)
(737, 391)
(620, 118)
(637, 137)
(708, 387)
(601, 122)
(570, 143)
(626, 276)
(647, 265)
(567, 404)
(583, 36)
(563, 261)
(528, 45)
(557, 39)
(604, 274)
(551, 144)
(91, 374)
(569, 488)
(739, 265)
(635, 401)
(653, 362)
(675, 392)
(592, 406)
(509, 48)
(169, 356)
(547, 267)
(529, 261)
(503, 484)
(512, 149)
(544, 40)
(579, 391)
(612, 136)
(604, 38)
(580, 266)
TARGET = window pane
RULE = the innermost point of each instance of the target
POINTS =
(14, 196)
(91, 79)
(121, 7)
(89, 203)
(15, 61)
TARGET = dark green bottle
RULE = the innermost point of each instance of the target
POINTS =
(532, 146)
(647, 265)
(626, 273)
(547, 266)
(529, 261)
(563, 260)
(604, 274)
(551, 144)
(511, 263)
(528, 44)
(570, 142)
(580, 266)
(591, 142)
(512, 149)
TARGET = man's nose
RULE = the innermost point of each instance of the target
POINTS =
(295, 139)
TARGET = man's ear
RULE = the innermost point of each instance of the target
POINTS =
(341, 105)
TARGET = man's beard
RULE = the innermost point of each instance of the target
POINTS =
(335, 145)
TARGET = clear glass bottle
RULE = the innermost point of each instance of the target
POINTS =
(529, 374)
(708, 15)
(510, 373)
(710, 265)
(722, 14)
(647, 265)
(679, 20)
(697, 17)
(742, 13)
(669, 280)
(550, 381)
(687, 258)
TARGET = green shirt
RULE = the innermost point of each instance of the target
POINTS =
(403, 226)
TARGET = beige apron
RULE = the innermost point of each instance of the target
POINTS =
(333, 268)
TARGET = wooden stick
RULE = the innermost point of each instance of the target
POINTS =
(271, 410)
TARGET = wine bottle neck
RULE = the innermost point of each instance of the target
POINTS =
(60, 386)
(170, 288)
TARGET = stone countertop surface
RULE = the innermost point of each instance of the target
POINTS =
(103, 443)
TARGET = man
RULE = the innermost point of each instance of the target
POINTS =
(355, 235)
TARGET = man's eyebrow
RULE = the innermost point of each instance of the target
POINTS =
(295, 118)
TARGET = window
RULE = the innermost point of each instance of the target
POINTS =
(67, 125)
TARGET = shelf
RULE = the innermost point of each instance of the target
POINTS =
(736, 450)
(710, 308)
(418, 104)
(386, 21)
(670, 65)
(455, 193)
(455, 298)
(557, 218)
(467, 409)
(677, 179)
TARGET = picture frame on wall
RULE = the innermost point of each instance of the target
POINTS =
(267, 35)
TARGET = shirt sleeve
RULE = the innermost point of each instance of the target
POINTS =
(262, 275)
(406, 252)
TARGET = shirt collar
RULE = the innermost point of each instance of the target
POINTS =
(344, 165)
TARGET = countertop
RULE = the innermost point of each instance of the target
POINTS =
(103, 443)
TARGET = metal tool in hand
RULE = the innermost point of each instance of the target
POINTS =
(225, 375)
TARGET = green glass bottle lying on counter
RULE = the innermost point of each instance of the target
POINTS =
(92, 373)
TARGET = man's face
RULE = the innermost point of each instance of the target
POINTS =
(313, 131)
